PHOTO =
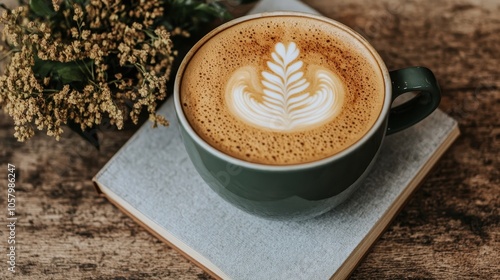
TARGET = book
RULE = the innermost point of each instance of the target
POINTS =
(152, 180)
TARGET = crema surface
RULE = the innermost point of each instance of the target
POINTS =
(282, 90)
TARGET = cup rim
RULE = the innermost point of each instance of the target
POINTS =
(381, 120)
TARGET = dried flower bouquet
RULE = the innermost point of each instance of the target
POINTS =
(79, 62)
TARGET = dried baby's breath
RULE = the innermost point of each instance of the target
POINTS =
(81, 64)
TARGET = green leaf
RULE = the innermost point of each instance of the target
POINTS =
(69, 72)
(207, 9)
(75, 73)
(214, 10)
(43, 68)
(64, 72)
(42, 8)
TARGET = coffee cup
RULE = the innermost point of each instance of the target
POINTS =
(283, 113)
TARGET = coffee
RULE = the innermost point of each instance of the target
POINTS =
(282, 90)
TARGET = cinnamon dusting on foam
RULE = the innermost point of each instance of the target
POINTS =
(237, 60)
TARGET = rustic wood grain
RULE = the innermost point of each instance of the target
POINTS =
(450, 228)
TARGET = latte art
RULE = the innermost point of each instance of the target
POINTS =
(281, 90)
(287, 100)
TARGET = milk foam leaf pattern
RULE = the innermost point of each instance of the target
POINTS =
(287, 100)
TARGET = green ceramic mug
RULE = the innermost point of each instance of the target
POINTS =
(304, 189)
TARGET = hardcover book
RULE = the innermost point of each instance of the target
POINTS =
(152, 180)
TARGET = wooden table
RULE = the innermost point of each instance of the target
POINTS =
(450, 229)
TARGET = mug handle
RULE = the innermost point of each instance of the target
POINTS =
(412, 111)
